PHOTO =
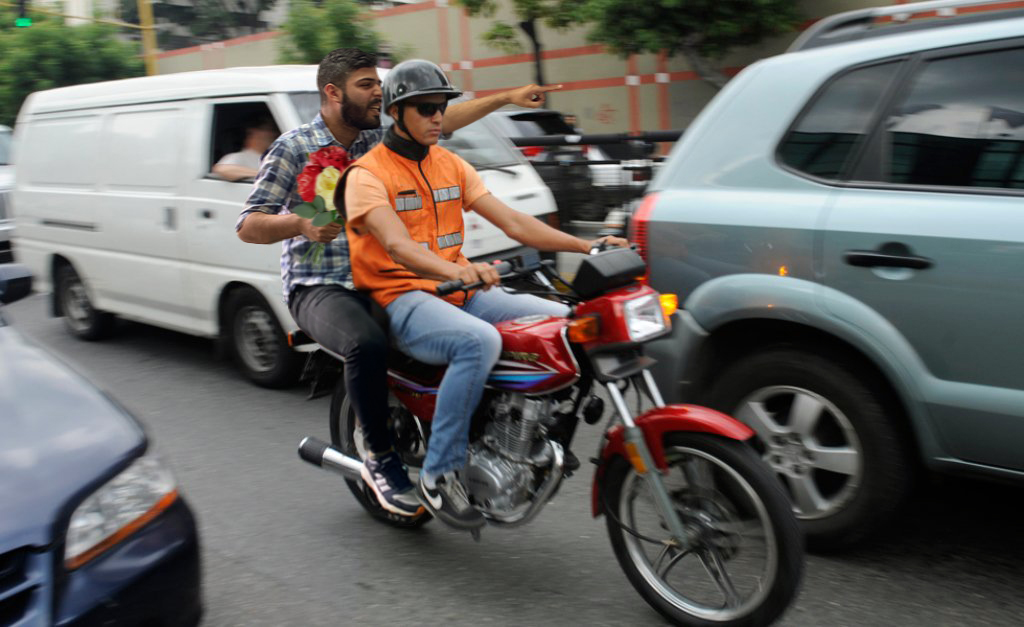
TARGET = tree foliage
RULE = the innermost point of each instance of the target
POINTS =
(701, 30)
(557, 14)
(314, 30)
(49, 54)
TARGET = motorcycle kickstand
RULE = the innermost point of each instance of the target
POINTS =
(475, 533)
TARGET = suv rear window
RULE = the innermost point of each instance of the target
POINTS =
(961, 123)
(825, 135)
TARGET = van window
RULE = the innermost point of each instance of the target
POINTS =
(65, 150)
(230, 122)
(307, 105)
(823, 139)
(961, 124)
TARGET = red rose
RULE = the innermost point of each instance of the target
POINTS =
(331, 156)
(307, 181)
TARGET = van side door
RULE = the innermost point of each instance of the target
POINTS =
(212, 204)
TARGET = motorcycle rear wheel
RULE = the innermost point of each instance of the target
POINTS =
(746, 555)
(346, 436)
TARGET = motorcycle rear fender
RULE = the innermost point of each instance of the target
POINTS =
(655, 423)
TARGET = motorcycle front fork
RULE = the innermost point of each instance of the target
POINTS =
(640, 455)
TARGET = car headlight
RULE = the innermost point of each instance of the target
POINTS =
(644, 317)
(119, 508)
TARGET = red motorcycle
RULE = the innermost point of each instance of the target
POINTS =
(697, 521)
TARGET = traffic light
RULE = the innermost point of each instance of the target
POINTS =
(23, 20)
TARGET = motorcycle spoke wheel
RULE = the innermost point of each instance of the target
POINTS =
(742, 556)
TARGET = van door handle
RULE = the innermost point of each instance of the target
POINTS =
(170, 218)
(206, 214)
(890, 255)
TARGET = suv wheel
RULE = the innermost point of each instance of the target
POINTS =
(827, 433)
(80, 317)
(258, 343)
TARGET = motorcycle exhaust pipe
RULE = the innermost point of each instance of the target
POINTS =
(322, 454)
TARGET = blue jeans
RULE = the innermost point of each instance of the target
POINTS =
(436, 332)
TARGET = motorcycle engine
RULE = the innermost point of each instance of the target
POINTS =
(506, 464)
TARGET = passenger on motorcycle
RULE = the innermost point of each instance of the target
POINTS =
(404, 201)
(321, 297)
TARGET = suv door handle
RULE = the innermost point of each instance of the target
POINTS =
(886, 257)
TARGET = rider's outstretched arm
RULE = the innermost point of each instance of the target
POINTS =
(465, 113)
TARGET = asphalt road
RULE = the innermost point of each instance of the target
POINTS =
(285, 544)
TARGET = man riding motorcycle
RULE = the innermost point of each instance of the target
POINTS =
(403, 202)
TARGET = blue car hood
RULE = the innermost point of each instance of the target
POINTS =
(59, 438)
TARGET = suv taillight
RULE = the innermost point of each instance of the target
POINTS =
(531, 151)
(638, 224)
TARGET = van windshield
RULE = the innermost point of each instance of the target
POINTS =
(5, 147)
(477, 143)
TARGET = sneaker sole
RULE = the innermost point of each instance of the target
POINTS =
(368, 480)
(445, 518)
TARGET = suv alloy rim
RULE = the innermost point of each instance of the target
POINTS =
(810, 444)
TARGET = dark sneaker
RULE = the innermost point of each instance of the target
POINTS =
(449, 502)
(570, 463)
(387, 476)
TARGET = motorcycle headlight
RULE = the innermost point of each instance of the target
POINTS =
(644, 317)
(119, 508)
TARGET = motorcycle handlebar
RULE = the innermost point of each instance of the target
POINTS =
(450, 287)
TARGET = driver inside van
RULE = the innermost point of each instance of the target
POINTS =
(245, 163)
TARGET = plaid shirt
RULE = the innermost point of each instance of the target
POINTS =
(276, 191)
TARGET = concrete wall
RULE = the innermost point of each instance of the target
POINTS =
(608, 93)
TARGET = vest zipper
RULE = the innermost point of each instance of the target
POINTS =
(433, 201)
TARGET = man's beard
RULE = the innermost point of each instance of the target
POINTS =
(357, 116)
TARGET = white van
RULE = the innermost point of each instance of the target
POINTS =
(6, 184)
(117, 213)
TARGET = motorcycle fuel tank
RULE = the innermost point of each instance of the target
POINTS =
(535, 356)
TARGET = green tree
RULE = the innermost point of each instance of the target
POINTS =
(313, 30)
(701, 30)
(557, 14)
(49, 54)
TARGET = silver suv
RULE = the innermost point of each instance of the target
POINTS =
(844, 224)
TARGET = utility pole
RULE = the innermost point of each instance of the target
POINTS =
(148, 35)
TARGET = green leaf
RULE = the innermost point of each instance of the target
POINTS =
(305, 210)
(318, 202)
(322, 219)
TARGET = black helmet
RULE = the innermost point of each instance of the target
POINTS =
(415, 78)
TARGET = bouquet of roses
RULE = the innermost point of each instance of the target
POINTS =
(317, 183)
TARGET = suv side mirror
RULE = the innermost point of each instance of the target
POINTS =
(15, 282)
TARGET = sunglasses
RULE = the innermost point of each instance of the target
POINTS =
(428, 109)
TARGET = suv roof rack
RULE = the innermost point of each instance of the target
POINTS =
(865, 23)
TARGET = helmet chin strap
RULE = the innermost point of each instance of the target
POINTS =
(400, 121)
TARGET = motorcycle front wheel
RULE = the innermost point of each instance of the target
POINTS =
(745, 555)
(346, 436)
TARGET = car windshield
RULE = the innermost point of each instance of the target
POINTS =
(477, 143)
(5, 147)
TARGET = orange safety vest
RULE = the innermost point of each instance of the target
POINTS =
(428, 197)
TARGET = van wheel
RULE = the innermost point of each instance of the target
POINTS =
(80, 317)
(258, 343)
(830, 435)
